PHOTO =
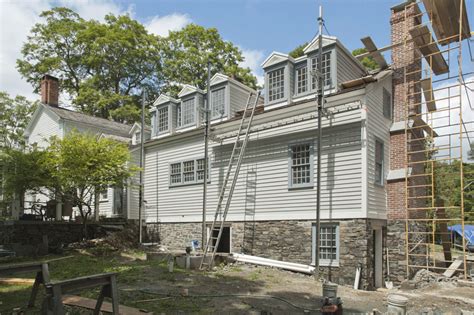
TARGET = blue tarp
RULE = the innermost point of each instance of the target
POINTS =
(468, 232)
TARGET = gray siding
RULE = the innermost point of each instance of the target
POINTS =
(238, 99)
(268, 154)
(346, 68)
(378, 127)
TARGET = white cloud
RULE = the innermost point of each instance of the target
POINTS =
(161, 25)
(446, 119)
(252, 59)
(16, 20)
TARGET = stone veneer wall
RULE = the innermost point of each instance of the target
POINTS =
(289, 241)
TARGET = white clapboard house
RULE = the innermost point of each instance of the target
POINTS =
(273, 208)
(50, 119)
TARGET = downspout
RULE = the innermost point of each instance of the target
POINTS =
(206, 153)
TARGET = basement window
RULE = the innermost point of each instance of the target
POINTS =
(328, 245)
(276, 85)
(187, 172)
(301, 165)
(379, 161)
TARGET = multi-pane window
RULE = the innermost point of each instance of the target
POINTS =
(162, 119)
(301, 165)
(185, 113)
(326, 70)
(276, 84)
(301, 80)
(104, 195)
(187, 172)
(387, 104)
(328, 244)
(218, 103)
(175, 173)
(379, 157)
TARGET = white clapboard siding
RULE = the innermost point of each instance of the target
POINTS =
(269, 156)
(378, 127)
(45, 126)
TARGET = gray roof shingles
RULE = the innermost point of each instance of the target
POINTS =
(108, 126)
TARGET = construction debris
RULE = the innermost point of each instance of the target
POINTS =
(424, 278)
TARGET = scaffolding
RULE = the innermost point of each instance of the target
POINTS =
(437, 105)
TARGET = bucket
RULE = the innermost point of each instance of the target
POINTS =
(330, 290)
(170, 265)
(397, 304)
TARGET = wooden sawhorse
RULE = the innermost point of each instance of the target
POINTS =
(42, 275)
(55, 291)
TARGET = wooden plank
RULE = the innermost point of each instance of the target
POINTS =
(370, 46)
(16, 281)
(428, 93)
(429, 49)
(443, 230)
(444, 16)
(75, 300)
(453, 267)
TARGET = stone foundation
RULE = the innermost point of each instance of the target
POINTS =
(289, 241)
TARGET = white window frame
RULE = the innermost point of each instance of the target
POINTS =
(291, 185)
(159, 120)
(182, 172)
(379, 180)
(325, 262)
(327, 70)
(104, 195)
(181, 113)
(277, 92)
(387, 103)
(154, 127)
(297, 79)
(215, 97)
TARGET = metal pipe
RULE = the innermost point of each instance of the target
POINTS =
(320, 97)
(206, 153)
(142, 156)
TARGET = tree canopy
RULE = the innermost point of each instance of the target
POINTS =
(105, 66)
(15, 113)
(101, 66)
(298, 51)
(186, 54)
(368, 62)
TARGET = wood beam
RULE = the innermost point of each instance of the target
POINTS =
(429, 49)
(375, 53)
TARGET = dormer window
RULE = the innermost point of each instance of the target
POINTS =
(276, 84)
(217, 103)
(137, 138)
(162, 123)
(326, 70)
(186, 114)
(301, 79)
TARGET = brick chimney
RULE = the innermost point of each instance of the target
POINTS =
(406, 95)
(49, 90)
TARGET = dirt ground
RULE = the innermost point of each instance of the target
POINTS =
(230, 289)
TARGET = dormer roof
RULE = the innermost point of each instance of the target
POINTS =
(220, 78)
(314, 43)
(275, 58)
(163, 98)
(188, 89)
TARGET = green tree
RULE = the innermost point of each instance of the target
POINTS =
(23, 172)
(298, 51)
(102, 66)
(85, 165)
(15, 113)
(368, 62)
(448, 188)
(186, 53)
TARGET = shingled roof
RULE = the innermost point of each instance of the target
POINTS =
(108, 126)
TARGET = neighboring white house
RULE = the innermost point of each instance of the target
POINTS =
(273, 209)
(51, 120)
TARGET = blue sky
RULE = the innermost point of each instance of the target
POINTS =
(258, 27)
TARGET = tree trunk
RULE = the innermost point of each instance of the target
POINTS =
(96, 204)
